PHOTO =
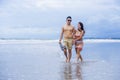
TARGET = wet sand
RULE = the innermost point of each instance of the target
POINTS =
(45, 61)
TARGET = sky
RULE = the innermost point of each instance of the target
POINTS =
(43, 19)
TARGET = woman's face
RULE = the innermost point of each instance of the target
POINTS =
(79, 27)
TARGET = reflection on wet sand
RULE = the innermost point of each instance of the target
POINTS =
(67, 72)
(71, 71)
(78, 72)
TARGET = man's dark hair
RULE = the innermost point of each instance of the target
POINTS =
(69, 17)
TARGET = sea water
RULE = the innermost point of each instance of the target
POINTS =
(44, 60)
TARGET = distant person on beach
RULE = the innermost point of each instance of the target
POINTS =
(67, 36)
(78, 40)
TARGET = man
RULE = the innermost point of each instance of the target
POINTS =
(67, 35)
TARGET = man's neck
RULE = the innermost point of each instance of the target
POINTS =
(68, 24)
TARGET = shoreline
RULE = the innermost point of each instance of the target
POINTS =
(55, 41)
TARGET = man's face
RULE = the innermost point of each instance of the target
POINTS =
(69, 21)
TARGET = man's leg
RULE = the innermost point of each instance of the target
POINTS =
(69, 54)
(65, 53)
(70, 43)
(65, 50)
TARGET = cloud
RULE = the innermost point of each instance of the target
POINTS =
(97, 19)
(115, 19)
(32, 4)
(24, 31)
(28, 33)
(41, 4)
(21, 14)
(93, 10)
(80, 6)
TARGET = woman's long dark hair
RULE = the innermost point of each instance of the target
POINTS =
(82, 26)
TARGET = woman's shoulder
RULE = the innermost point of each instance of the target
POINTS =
(82, 31)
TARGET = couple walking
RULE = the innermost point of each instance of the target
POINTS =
(72, 37)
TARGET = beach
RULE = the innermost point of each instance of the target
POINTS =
(44, 60)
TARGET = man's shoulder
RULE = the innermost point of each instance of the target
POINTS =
(72, 26)
(64, 26)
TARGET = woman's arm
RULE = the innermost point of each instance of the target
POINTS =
(81, 35)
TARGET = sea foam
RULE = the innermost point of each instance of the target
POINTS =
(54, 41)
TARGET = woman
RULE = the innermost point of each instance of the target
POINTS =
(78, 39)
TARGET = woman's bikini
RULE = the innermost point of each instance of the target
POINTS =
(79, 43)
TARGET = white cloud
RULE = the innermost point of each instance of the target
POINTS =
(93, 10)
(95, 19)
(26, 31)
(49, 4)
(114, 19)
(32, 4)
(83, 4)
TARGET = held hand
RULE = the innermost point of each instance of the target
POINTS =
(73, 37)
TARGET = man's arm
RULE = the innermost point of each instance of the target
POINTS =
(61, 35)
(74, 31)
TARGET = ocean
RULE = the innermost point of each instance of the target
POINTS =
(44, 60)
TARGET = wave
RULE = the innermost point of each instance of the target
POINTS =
(101, 40)
(55, 41)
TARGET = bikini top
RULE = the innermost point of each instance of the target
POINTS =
(77, 34)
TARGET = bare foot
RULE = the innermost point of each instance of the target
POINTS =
(66, 60)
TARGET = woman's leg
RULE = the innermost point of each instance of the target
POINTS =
(78, 51)
(78, 54)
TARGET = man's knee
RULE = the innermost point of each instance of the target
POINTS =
(65, 50)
